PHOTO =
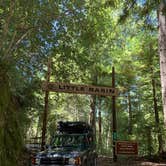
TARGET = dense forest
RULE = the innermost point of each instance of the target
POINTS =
(84, 40)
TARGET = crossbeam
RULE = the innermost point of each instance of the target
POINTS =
(79, 89)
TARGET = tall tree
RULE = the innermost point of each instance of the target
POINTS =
(162, 51)
(22, 44)
(144, 9)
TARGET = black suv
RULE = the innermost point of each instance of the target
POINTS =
(72, 146)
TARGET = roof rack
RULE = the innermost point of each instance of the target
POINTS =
(74, 127)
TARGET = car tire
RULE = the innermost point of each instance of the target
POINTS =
(94, 162)
(85, 163)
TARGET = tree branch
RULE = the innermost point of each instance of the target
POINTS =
(11, 43)
(7, 56)
(6, 26)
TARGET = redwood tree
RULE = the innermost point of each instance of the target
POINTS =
(162, 52)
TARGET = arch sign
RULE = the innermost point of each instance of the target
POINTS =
(79, 89)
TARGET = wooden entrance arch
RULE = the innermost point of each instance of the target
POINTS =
(48, 86)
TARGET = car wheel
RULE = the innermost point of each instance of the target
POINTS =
(85, 163)
(88, 163)
(95, 161)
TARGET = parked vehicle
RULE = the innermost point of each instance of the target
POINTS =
(73, 145)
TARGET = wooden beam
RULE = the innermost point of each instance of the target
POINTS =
(80, 89)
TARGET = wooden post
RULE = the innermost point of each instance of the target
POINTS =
(45, 114)
(114, 126)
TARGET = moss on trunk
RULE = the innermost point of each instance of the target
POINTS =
(10, 133)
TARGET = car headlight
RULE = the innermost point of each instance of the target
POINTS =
(35, 161)
(71, 161)
(75, 161)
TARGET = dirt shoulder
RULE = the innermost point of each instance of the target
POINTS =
(138, 163)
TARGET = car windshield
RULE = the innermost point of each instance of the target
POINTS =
(70, 140)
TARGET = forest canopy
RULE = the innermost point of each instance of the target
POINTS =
(84, 39)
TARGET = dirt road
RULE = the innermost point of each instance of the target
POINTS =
(106, 161)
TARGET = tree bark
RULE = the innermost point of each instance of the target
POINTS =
(162, 51)
(159, 134)
(93, 106)
(149, 141)
(10, 130)
(93, 113)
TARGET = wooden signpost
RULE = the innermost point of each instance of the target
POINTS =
(80, 89)
(114, 123)
(126, 148)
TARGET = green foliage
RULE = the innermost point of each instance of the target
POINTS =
(84, 40)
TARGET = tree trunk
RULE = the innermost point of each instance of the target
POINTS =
(149, 141)
(99, 123)
(108, 138)
(93, 113)
(10, 130)
(130, 114)
(162, 51)
(160, 141)
(93, 106)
